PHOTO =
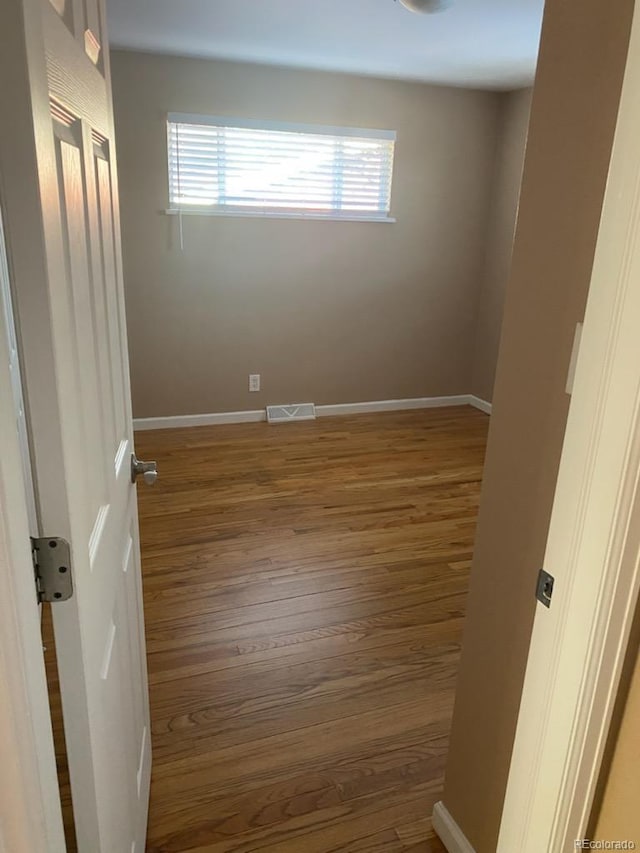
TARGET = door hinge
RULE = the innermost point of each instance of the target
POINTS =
(52, 566)
(544, 588)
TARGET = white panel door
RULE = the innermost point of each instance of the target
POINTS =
(71, 316)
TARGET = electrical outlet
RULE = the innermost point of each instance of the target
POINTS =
(254, 382)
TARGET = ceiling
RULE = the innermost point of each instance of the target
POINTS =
(485, 44)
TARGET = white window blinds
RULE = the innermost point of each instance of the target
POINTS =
(228, 165)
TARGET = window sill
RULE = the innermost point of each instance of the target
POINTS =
(269, 214)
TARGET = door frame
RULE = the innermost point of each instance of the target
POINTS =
(30, 811)
(30, 801)
(578, 646)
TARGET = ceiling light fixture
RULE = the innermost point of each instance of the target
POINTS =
(426, 7)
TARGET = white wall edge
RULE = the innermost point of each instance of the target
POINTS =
(448, 831)
(481, 404)
(255, 415)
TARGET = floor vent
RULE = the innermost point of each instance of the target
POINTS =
(292, 412)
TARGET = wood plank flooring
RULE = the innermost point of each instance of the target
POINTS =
(305, 590)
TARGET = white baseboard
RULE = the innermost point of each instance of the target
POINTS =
(448, 831)
(478, 403)
(392, 405)
(177, 421)
(251, 416)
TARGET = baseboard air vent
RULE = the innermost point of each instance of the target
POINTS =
(291, 412)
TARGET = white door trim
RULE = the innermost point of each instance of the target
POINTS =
(578, 645)
(30, 814)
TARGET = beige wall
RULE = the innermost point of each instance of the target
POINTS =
(619, 817)
(324, 311)
(512, 136)
(572, 122)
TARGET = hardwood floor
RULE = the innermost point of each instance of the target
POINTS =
(304, 595)
(305, 588)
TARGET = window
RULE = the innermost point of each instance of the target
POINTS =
(235, 166)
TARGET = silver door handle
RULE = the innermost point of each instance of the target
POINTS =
(148, 470)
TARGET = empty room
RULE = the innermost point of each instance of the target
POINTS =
(318, 426)
(329, 247)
